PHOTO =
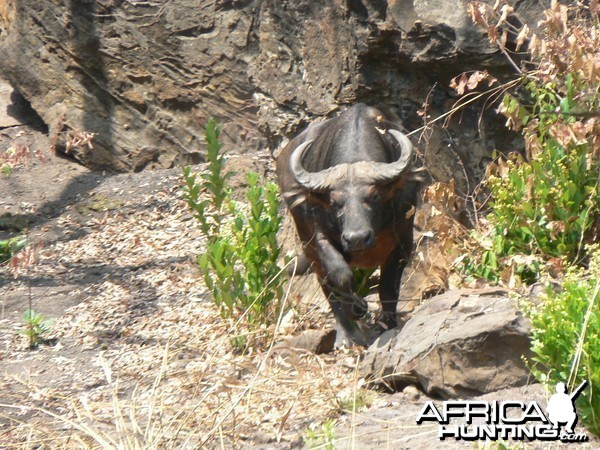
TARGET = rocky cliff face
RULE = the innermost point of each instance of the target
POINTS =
(144, 75)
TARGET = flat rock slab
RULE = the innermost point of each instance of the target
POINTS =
(392, 425)
(459, 344)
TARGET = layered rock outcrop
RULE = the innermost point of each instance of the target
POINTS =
(144, 75)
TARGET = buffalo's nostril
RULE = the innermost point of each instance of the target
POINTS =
(358, 240)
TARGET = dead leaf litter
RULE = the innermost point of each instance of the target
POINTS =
(145, 355)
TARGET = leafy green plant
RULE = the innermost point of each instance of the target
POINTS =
(541, 206)
(9, 247)
(208, 195)
(322, 438)
(566, 337)
(241, 261)
(544, 204)
(240, 265)
(36, 327)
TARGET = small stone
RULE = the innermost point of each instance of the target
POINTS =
(316, 341)
(412, 393)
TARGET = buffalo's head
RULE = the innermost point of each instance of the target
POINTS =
(354, 193)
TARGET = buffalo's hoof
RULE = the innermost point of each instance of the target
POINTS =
(358, 309)
(349, 337)
(388, 320)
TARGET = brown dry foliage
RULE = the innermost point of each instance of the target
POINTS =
(565, 41)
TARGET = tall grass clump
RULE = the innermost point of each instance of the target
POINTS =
(241, 262)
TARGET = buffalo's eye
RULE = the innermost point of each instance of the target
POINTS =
(336, 200)
(374, 198)
(372, 195)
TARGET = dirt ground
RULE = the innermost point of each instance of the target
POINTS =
(137, 355)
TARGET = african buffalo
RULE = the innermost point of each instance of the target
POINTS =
(349, 186)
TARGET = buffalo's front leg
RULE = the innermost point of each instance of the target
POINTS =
(389, 283)
(337, 279)
(347, 331)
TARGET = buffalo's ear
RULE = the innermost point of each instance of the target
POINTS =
(389, 190)
(299, 197)
(409, 178)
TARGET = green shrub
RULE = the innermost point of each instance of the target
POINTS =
(566, 337)
(543, 205)
(208, 196)
(240, 264)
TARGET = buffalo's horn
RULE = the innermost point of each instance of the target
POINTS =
(313, 181)
(388, 172)
(374, 172)
(393, 170)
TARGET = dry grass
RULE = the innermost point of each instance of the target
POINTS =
(191, 407)
(273, 401)
(158, 370)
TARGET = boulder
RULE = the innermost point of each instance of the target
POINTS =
(459, 344)
(145, 76)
